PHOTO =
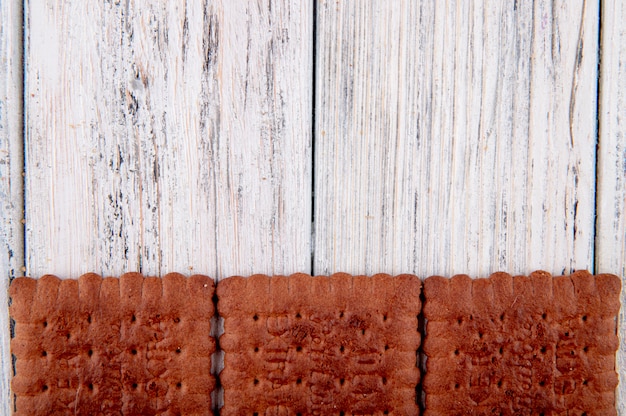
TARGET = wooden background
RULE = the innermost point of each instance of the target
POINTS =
(235, 137)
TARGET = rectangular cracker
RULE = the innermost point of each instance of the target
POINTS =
(129, 346)
(521, 345)
(337, 345)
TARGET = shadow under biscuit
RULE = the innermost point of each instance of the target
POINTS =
(320, 345)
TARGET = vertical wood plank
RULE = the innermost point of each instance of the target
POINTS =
(11, 180)
(455, 136)
(611, 197)
(168, 136)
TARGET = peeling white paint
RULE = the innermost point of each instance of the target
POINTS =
(11, 180)
(161, 136)
(611, 209)
(443, 137)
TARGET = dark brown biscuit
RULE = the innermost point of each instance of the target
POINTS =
(131, 346)
(521, 345)
(337, 345)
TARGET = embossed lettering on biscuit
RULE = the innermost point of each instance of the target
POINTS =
(511, 345)
(320, 345)
(131, 346)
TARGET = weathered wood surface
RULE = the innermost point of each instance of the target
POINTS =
(450, 137)
(168, 136)
(456, 137)
(11, 180)
(611, 210)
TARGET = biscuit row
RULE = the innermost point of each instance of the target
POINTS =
(299, 345)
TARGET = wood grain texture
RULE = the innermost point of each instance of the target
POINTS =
(11, 180)
(455, 137)
(168, 136)
(451, 137)
(611, 197)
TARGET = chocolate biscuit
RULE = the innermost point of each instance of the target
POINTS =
(131, 346)
(521, 345)
(337, 345)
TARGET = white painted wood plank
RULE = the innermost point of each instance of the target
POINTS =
(168, 136)
(455, 137)
(11, 180)
(611, 209)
